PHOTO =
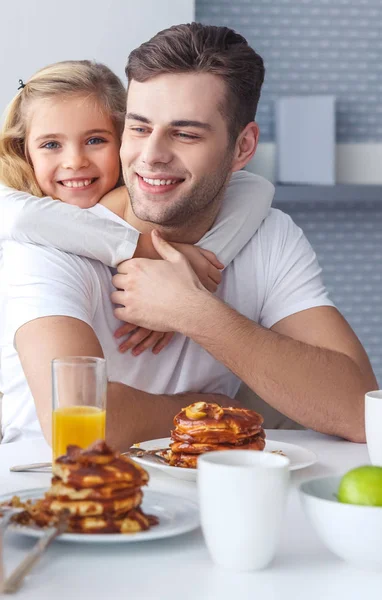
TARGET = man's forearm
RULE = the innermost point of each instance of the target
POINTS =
(319, 388)
(134, 416)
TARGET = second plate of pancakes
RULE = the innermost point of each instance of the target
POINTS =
(299, 457)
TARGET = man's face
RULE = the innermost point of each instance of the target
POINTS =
(175, 150)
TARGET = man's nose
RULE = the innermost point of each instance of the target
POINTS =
(157, 149)
(75, 159)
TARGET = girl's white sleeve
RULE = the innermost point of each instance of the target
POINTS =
(26, 218)
(246, 203)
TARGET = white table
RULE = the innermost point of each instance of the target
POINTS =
(179, 568)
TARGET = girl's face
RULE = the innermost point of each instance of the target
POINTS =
(74, 149)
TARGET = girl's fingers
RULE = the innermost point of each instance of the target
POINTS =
(162, 343)
(149, 342)
(124, 329)
(212, 258)
(214, 274)
(136, 338)
(143, 339)
(211, 285)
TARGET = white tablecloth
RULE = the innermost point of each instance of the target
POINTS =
(179, 568)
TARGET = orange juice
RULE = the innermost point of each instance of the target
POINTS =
(79, 425)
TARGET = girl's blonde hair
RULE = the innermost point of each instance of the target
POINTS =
(70, 77)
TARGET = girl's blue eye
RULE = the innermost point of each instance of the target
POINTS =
(95, 140)
(51, 145)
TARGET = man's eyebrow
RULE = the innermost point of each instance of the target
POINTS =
(136, 117)
(188, 123)
(176, 123)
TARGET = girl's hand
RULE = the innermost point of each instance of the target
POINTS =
(141, 339)
(205, 264)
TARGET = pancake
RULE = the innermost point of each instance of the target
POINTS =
(99, 488)
(256, 442)
(82, 508)
(204, 422)
(132, 522)
(112, 491)
(92, 473)
(207, 427)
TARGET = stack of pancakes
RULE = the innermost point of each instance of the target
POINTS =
(100, 488)
(206, 427)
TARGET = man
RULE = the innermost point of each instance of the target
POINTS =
(192, 98)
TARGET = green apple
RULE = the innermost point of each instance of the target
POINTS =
(361, 486)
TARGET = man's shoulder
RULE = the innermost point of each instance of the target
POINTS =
(276, 225)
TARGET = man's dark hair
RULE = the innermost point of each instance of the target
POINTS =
(197, 48)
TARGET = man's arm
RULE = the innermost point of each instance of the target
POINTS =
(132, 415)
(309, 365)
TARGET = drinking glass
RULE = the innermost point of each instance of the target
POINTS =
(79, 388)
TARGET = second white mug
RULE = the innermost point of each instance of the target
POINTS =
(242, 495)
(373, 426)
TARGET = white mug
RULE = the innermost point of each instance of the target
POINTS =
(242, 496)
(373, 425)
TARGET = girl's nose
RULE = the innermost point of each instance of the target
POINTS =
(75, 160)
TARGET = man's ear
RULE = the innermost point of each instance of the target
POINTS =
(245, 146)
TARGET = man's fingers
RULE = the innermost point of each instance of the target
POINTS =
(164, 249)
(212, 258)
(118, 297)
(119, 281)
(123, 266)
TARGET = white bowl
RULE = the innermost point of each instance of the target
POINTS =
(352, 532)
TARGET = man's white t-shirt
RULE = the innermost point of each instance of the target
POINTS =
(275, 275)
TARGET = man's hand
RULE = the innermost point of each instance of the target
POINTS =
(157, 294)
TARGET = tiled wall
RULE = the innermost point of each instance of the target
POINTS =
(313, 47)
(348, 242)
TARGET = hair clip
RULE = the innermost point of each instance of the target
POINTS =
(22, 84)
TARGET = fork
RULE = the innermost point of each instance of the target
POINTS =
(14, 581)
(7, 514)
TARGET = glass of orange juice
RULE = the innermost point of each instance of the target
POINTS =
(79, 388)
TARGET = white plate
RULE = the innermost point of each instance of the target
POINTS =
(176, 515)
(299, 457)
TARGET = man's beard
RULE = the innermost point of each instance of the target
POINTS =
(199, 201)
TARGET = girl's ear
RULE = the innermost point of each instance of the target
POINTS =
(245, 146)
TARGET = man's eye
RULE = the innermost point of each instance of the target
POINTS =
(51, 145)
(95, 140)
(138, 129)
(186, 136)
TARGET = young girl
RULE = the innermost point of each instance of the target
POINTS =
(61, 139)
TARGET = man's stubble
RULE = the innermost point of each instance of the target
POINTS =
(201, 203)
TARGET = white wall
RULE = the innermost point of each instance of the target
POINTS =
(35, 33)
(355, 163)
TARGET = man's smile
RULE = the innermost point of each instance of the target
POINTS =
(158, 185)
